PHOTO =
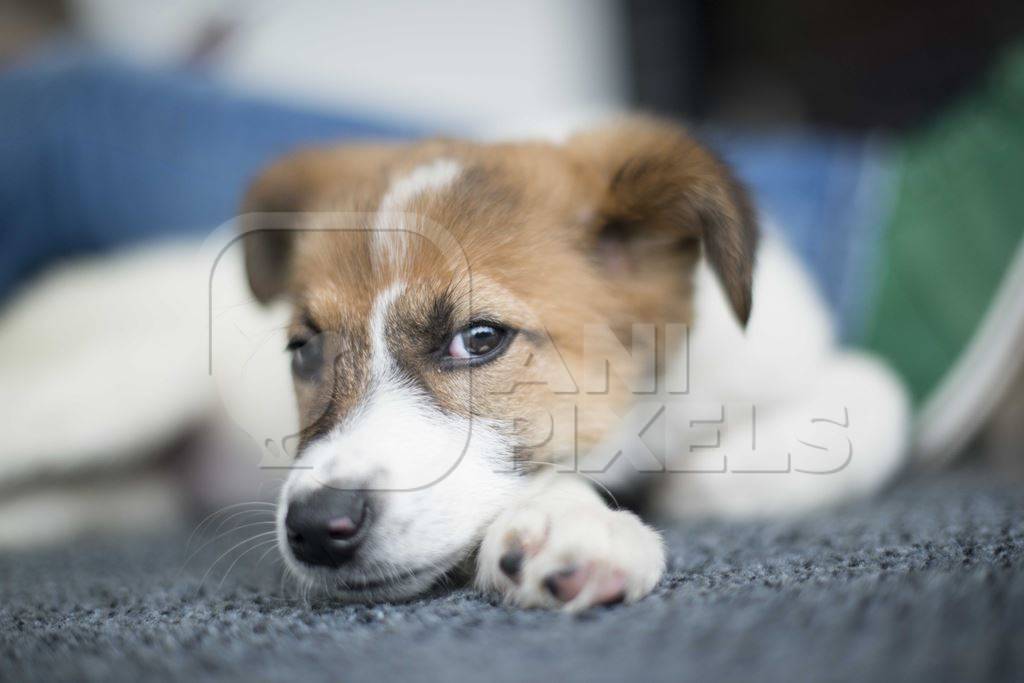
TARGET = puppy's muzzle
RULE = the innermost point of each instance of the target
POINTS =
(327, 527)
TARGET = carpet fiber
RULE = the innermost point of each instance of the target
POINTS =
(923, 583)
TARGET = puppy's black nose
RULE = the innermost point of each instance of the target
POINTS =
(327, 527)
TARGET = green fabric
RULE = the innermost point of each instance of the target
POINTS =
(958, 215)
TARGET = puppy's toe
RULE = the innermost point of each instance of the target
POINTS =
(566, 584)
(511, 540)
(603, 585)
(606, 586)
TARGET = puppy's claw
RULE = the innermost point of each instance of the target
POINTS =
(511, 563)
(566, 584)
(580, 588)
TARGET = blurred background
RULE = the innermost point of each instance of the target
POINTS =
(884, 140)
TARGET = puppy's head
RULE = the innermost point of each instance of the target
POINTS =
(447, 297)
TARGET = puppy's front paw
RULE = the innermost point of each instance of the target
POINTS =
(549, 554)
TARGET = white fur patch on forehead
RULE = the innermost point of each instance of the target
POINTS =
(391, 230)
(381, 363)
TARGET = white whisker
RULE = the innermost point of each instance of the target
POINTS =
(220, 511)
(229, 531)
(228, 551)
(267, 552)
(227, 519)
(272, 543)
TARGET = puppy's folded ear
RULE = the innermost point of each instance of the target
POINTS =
(272, 209)
(661, 190)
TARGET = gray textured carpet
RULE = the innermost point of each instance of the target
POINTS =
(924, 583)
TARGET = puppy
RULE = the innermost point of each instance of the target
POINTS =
(481, 333)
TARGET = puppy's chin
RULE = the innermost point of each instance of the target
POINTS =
(370, 583)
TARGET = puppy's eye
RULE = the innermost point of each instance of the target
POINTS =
(307, 356)
(478, 343)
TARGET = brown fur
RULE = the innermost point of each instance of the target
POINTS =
(544, 239)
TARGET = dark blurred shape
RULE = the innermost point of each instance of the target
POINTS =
(666, 53)
(24, 23)
(1001, 438)
(852, 64)
(215, 35)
